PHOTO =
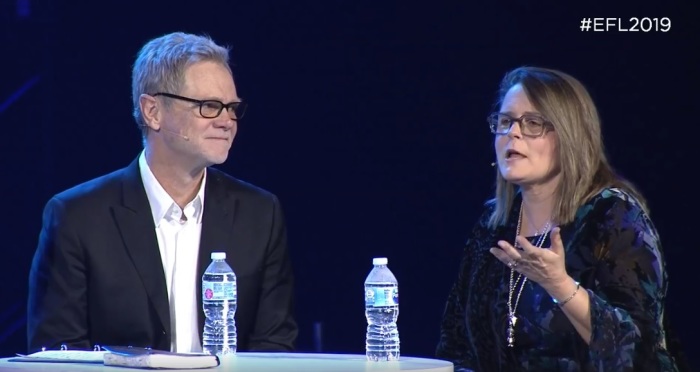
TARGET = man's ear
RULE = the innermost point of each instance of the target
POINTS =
(150, 111)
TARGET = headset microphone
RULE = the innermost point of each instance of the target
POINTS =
(176, 133)
(171, 131)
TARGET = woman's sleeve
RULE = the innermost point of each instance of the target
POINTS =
(629, 289)
(453, 345)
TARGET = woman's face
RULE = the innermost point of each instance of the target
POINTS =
(525, 156)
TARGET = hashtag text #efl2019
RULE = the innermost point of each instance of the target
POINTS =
(632, 24)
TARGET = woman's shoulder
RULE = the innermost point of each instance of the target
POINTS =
(616, 211)
(621, 196)
(612, 200)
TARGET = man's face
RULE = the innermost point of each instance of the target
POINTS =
(202, 141)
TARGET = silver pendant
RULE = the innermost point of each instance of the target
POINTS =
(510, 333)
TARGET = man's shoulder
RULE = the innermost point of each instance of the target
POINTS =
(240, 187)
(89, 191)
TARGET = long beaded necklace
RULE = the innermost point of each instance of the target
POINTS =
(512, 319)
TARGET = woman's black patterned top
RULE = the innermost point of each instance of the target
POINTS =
(613, 250)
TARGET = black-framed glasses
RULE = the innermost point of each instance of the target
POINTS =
(531, 125)
(211, 108)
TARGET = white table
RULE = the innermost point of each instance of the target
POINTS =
(277, 362)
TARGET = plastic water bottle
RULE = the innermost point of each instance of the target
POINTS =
(382, 311)
(220, 296)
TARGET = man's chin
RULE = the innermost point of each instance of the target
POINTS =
(215, 160)
(217, 157)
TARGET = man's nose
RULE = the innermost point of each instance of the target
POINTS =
(225, 120)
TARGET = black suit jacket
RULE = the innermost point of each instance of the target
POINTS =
(97, 276)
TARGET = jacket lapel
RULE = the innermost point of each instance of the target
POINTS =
(135, 222)
(217, 228)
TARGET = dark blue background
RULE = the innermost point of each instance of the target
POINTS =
(367, 119)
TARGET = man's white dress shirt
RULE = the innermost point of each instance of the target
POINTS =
(178, 231)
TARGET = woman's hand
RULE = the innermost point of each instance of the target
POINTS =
(545, 267)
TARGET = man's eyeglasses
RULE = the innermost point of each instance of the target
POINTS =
(531, 125)
(210, 108)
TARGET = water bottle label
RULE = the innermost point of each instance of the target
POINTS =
(219, 290)
(381, 296)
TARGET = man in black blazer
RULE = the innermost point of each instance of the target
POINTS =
(120, 258)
